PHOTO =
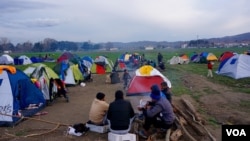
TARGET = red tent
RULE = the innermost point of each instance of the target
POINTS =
(226, 55)
(144, 78)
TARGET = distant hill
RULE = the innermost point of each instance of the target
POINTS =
(245, 37)
(240, 38)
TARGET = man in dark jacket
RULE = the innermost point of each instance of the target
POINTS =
(158, 113)
(166, 91)
(120, 114)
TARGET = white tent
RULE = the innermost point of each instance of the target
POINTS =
(6, 59)
(176, 60)
(26, 60)
(237, 66)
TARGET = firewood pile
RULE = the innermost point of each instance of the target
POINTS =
(188, 126)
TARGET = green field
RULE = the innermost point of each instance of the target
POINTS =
(173, 72)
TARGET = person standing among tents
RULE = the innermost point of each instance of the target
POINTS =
(157, 112)
(210, 68)
(98, 110)
(126, 77)
(120, 114)
(159, 58)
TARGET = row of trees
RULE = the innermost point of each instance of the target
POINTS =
(47, 45)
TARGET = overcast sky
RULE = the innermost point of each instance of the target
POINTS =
(122, 20)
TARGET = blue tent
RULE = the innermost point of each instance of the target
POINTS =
(19, 96)
(36, 59)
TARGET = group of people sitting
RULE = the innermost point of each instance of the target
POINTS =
(119, 114)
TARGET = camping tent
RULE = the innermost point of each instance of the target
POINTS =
(36, 59)
(175, 60)
(211, 57)
(144, 78)
(68, 56)
(64, 72)
(184, 57)
(5, 59)
(181, 59)
(68, 72)
(22, 60)
(226, 55)
(18, 96)
(237, 66)
(87, 61)
(101, 65)
(42, 74)
(128, 61)
(195, 57)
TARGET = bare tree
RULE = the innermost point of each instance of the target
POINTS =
(47, 43)
(3, 43)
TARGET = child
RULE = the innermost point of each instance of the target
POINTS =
(209, 67)
(126, 78)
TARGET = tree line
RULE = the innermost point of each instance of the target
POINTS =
(47, 45)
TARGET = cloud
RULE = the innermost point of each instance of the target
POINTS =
(10, 6)
(118, 20)
(40, 22)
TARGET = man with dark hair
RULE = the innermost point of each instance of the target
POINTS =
(166, 91)
(120, 114)
(98, 110)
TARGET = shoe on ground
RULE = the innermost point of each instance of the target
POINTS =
(142, 134)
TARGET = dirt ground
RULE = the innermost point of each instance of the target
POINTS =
(215, 103)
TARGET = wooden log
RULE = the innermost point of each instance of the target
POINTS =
(167, 137)
(191, 108)
(176, 135)
(200, 131)
(179, 124)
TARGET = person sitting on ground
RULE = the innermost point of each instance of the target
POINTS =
(114, 77)
(87, 75)
(61, 88)
(166, 91)
(157, 112)
(162, 66)
(120, 114)
(98, 110)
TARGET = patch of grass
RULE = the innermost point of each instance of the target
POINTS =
(208, 90)
(196, 95)
(173, 72)
(212, 121)
(178, 87)
(245, 104)
(20, 133)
